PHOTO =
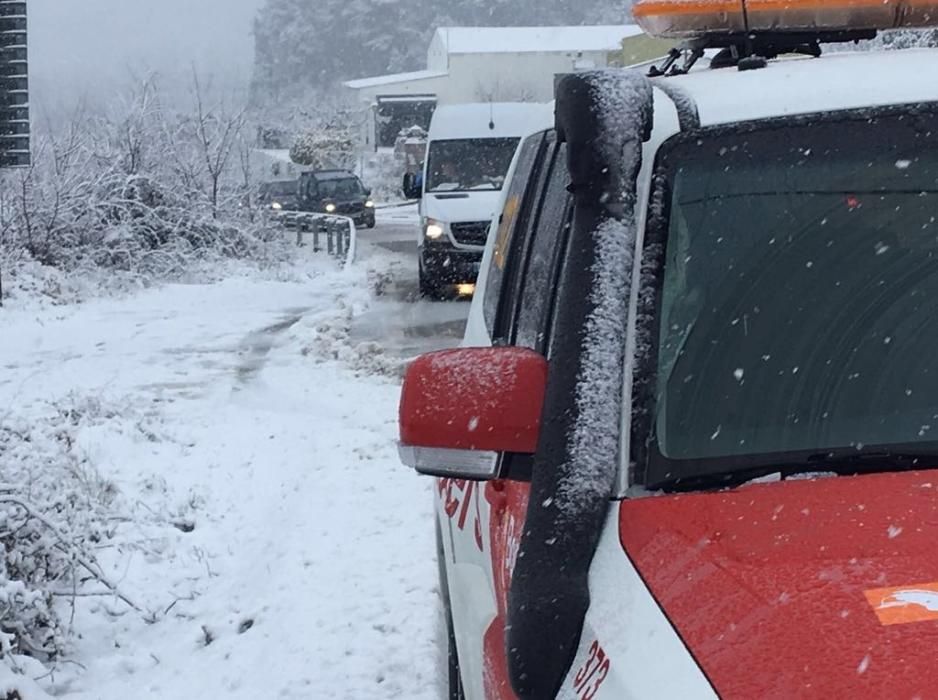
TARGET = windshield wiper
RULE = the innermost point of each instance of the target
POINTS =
(840, 462)
(850, 457)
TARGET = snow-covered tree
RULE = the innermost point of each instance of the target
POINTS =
(141, 189)
(324, 149)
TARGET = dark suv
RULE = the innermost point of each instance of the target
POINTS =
(337, 192)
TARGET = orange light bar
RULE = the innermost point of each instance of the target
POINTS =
(676, 19)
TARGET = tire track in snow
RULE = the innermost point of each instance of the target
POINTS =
(255, 348)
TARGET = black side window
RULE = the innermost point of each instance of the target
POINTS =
(539, 244)
(516, 206)
(546, 240)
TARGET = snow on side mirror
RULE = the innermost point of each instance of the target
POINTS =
(461, 408)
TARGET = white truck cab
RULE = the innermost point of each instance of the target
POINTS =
(469, 150)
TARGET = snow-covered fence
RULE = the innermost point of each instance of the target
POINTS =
(335, 235)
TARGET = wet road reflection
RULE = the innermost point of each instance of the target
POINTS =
(402, 322)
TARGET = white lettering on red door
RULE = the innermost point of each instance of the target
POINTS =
(591, 675)
(459, 497)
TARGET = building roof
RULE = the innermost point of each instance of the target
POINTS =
(791, 86)
(472, 40)
(394, 79)
(496, 40)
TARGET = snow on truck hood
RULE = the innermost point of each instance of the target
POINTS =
(836, 81)
(804, 589)
(475, 206)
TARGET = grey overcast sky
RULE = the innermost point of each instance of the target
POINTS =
(91, 47)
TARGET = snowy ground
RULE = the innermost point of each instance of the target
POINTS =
(265, 522)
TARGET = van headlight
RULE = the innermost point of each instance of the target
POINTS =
(433, 230)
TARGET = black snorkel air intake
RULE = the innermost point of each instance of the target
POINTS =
(604, 118)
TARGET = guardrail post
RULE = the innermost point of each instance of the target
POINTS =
(340, 238)
(337, 230)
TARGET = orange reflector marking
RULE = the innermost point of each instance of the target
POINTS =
(905, 604)
(697, 18)
(644, 8)
(663, 7)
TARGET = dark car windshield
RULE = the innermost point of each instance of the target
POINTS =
(469, 164)
(340, 188)
(797, 309)
(279, 189)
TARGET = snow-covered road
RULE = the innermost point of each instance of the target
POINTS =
(265, 521)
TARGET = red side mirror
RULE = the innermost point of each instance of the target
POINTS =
(460, 408)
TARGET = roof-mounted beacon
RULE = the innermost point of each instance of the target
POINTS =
(689, 19)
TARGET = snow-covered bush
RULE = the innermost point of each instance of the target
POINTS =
(54, 512)
(145, 193)
(383, 172)
(325, 149)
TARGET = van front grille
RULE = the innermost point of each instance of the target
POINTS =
(471, 233)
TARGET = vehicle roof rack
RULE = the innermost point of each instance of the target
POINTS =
(748, 51)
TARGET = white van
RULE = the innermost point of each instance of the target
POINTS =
(469, 151)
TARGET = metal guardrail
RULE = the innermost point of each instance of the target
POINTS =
(398, 205)
(335, 235)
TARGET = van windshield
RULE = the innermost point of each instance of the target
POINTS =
(797, 306)
(469, 164)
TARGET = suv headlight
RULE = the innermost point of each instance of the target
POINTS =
(330, 208)
(369, 204)
(433, 230)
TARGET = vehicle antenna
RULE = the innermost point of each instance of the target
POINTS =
(749, 47)
(749, 60)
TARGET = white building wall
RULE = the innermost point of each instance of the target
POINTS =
(437, 54)
(428, 86)
(482, 77)
(510, 77)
